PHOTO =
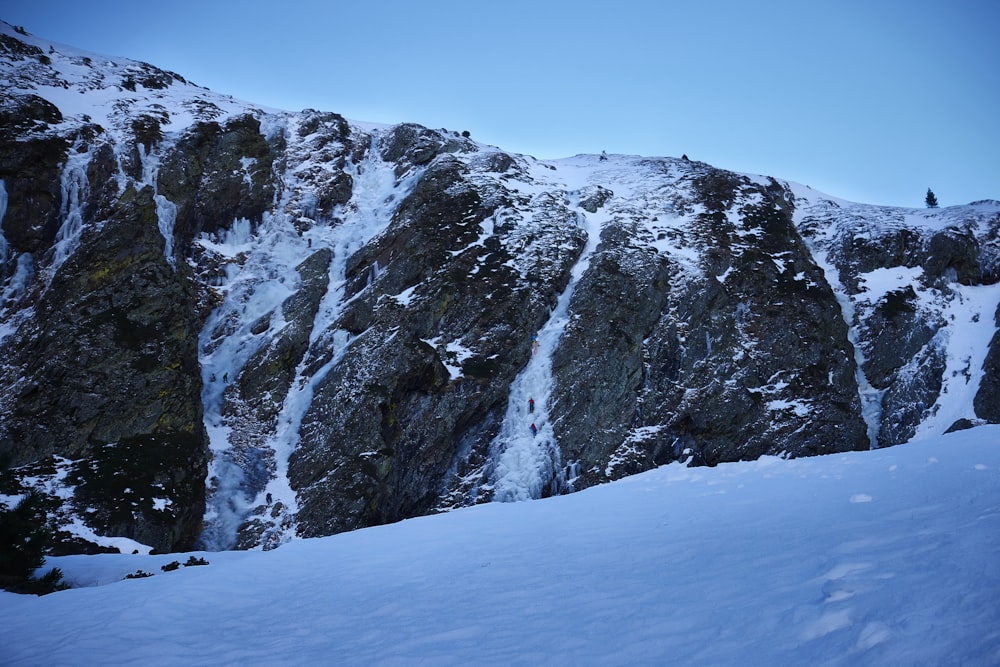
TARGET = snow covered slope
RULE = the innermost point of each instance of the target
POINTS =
(889, 557)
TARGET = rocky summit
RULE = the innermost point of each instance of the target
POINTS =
(223, 326)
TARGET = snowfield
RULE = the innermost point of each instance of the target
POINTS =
(887, 557)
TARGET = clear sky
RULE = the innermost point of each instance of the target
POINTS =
(869, 100)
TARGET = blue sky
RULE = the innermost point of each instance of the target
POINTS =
(871, 101)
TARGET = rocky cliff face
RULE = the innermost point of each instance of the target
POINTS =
(227, 327)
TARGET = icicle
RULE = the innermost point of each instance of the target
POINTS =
(166, 213)
(17, 286)
(75, 189)
(4, 246)
(166, 210)
(524, 462)
(13, 287)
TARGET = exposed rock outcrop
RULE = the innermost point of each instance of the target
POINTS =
(108, 364)
(217, 173)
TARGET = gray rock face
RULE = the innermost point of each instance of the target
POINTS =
(108, 363)
(232, 330)
(600, 367)
(30, 171)
(197, 175)
(987, 402)
(111, 339)
(742, 355)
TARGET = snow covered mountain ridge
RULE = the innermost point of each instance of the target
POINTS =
(226, 326)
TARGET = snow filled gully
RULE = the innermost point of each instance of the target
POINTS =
(378, 195)
(258, 288)
(524, 456)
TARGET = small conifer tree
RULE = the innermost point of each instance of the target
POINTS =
(931, 199)
(24, 539)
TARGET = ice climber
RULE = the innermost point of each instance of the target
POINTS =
(534, 430)
(531, 405)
